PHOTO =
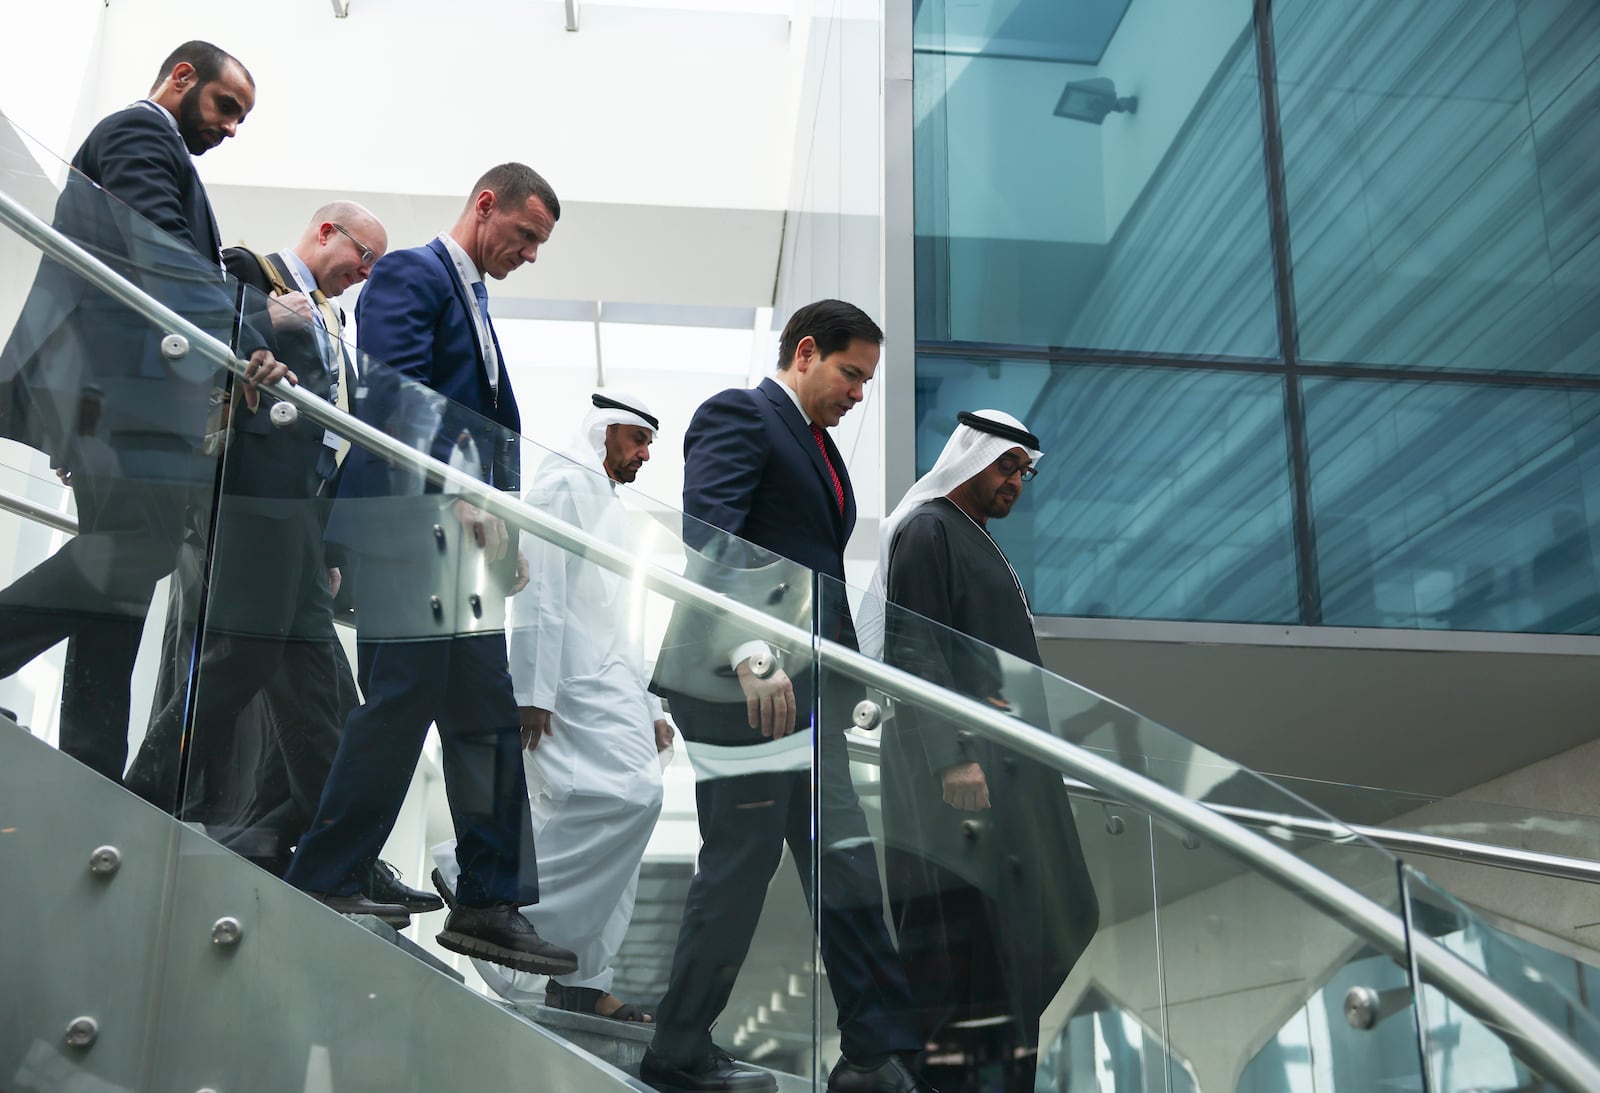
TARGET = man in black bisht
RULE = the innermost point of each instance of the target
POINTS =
(990, 895)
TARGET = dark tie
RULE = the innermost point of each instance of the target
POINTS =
(480, 292)
(838, 487)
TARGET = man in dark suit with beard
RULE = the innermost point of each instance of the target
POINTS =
(135, 201)
(759, 465)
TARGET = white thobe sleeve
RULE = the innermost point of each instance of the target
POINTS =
(540, 612)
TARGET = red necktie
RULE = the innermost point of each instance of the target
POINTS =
(838, 487)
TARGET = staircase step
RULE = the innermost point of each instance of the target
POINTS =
(620, 1043)
(401, 941)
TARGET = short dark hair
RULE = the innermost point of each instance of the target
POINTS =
(514, 183)
(208, 61)
(832, 324)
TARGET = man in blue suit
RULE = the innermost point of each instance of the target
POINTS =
(759, 464)
(84, 379)
(434, 378)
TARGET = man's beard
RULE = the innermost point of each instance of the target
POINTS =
(191, 124)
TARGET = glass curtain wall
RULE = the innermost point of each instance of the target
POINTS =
(1300, 297)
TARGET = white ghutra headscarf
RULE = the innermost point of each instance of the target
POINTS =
(587, 447)
(980, 438)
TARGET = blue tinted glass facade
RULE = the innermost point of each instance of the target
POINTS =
(1308, 321)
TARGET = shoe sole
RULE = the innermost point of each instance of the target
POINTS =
(419, 906)
(443, 889)
(499, 954)
(662, 1086)
(398, 922)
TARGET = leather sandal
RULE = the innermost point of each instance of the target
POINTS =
(586, 999)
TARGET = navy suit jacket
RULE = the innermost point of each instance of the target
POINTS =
(133, 200)
(752, 469)
(422, 380)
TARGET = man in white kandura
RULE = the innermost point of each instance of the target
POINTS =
(591, 730)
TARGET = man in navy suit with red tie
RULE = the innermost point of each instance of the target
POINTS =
(759, 465)
(84, 379)
(434, 377)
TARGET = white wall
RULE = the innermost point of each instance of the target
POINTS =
(50, 58)
(645, 106)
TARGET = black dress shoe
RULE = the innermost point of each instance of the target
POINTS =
(889, 1076)
(392, 913)
(718, 1072)
(385, 886)
(500, 935)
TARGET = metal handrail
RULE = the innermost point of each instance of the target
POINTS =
(39, 514)
(1542, 1047)
(865, 749)
(1400, 840)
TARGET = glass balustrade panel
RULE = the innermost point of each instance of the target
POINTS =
(559, 726)
(1023, 902)
(1466, 1051)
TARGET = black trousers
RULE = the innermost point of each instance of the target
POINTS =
(744, 823)
(269, 630)
(95, 591)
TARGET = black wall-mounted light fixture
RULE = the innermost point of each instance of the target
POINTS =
(1092, 100)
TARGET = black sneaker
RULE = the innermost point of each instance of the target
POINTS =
(443, 889)
(718, 1072)
(500, 935)
(888, 1075)
(385, 886)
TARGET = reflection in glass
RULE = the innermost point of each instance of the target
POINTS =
(1318, 1051)
(1163, 493)
(1419, 143)
(1105, 1048)
(1455, 506)
(1462, 1052)
(1147, 232)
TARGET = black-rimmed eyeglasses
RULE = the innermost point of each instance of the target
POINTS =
(1010, 465)
(368, 255)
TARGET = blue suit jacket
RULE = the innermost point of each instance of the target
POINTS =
(422, 380)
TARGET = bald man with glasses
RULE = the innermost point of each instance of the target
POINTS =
(269, 625)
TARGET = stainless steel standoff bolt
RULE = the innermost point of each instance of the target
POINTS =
(1115, 825)
(867, 715)
(226, 931)
(174, 347)
(284, 414)
(105, 861)
(82, 1032)
(1191, 842)
(1364, 1007)
(1361, 1007)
